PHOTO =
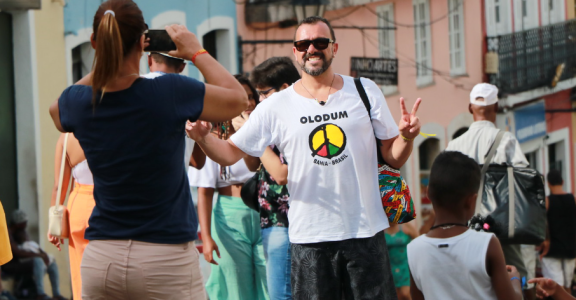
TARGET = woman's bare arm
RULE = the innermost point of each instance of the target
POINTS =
(275, 167)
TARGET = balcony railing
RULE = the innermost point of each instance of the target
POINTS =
(270, 11)
(530, 59)
(20, 4)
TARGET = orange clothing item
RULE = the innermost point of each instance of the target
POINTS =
(80, 205)
(5, 249)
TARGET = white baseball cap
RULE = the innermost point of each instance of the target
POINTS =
(484, 90)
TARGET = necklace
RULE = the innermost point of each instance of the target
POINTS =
(320, 102)
(447, 225)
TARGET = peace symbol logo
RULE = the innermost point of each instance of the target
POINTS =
(327, 140)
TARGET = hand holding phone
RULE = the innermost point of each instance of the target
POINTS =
(186, 42)
(159, 41)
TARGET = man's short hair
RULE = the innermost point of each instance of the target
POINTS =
(19, 217)
(274, 72)
(453, 177)
(173, 63)
(314, 20)
(555, 177)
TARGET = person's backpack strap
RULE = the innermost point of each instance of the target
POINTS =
(364, 97)
(485, 166)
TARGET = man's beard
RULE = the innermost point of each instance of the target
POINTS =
(325, 64)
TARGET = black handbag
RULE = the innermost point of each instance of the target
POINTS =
(250, 189)
(515, 198)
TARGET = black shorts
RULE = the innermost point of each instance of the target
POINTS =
(356, 269)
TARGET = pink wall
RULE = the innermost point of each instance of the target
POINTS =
(442, 101)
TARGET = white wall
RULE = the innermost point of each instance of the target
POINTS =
(159, 22)
(71, 41)
(225, 41)
(27, 118)
(561, 136)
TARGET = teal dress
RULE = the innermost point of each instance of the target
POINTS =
(397, 245)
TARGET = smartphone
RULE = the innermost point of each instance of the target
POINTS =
(160, 41)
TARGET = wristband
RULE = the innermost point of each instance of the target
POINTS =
(201, 51)
(516, 278)
(405, 138)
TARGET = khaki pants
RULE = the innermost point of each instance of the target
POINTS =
(131, 270)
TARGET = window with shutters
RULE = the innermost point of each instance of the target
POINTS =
(387, 39)
(456, 30)
(422, 40)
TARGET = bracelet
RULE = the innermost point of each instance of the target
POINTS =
(406, 139)
(515, 278)
(201, 51)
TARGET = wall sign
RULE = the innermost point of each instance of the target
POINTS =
(530, 122)
(383, 71)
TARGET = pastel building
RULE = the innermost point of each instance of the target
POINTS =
(213, 22)
(443, 48)
(32, 76)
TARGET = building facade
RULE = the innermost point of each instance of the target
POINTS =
(213, 22)
(32, 77)
(530, 57)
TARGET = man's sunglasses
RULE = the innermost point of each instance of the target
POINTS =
(319, 44)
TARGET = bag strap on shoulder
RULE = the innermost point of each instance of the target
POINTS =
(364, 97)
(487, 161)
(61, 176)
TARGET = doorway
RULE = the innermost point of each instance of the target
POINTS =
(8, 171)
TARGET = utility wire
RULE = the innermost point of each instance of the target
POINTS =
(460, 2)
(442, 74)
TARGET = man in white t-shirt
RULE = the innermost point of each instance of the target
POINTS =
(160, 64)
(321, 126)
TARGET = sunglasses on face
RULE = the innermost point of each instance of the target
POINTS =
(319, 44)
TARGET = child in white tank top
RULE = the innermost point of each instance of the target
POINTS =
(452, 261)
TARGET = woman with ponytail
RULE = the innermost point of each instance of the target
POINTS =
(143, 225)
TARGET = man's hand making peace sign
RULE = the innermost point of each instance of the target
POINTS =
(396, 151)
(409, 125)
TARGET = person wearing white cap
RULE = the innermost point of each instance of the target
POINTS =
(476, 143)
(477, 140)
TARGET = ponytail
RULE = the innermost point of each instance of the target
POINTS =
(118, 27)
(108, 57)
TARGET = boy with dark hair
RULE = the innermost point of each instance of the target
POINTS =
(274, 75)
(471, 263)
(559, 249)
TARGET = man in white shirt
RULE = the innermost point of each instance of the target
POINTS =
(321, 126)
(476, 143)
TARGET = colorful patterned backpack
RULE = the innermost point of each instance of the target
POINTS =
(396, 198)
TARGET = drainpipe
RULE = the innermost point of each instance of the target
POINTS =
(484, 37)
